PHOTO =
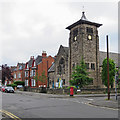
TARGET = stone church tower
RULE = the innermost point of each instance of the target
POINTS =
(84, 43)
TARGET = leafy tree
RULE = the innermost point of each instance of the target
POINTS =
(80, 75)
(112, 71)
(118, 79)
(36, 77)
(6, 73)
(41, 78)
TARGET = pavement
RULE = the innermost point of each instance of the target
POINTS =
(112, 103)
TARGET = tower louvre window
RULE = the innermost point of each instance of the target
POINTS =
(89, 30)
(75, 34)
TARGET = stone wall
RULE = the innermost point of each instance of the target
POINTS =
(62, 53)
(67, 91)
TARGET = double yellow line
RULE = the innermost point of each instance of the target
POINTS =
(10, 115)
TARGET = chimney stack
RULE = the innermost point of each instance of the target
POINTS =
(32, 57)
(44, 54)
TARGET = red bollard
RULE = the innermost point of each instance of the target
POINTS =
(71, 91)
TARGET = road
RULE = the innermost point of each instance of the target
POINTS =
(44, 106)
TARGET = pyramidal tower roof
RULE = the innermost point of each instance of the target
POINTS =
(83, 20)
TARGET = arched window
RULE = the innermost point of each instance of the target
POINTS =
(61, 66)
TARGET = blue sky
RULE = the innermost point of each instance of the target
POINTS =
(29, 27)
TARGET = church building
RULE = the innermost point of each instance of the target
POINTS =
(83, 43)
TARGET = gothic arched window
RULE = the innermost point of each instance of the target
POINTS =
(61, 66)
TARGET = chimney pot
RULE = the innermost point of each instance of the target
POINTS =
(44, 54)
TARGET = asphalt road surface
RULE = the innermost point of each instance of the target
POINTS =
(44, 106)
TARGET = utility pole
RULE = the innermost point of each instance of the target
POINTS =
(108, 67)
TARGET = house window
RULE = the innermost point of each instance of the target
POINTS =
(87, 65)
(15, 76)
(26, 82)
(93, 66)
(26, 74)
(33, 72)
(33, 82)
(19, 75)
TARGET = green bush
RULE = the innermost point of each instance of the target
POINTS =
(12, 85)
(19, 83)
(71, 86)
(8, 85)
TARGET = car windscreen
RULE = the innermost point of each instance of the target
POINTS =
(10, 88)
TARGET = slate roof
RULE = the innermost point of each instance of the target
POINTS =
(13, 68)
(83, 20)
(52, 68)
(38, 59)
(22, 65)
(113, 56)
(66, 49)
(30, 62)
(103, 55)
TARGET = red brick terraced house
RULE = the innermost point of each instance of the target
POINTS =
(18, 72)
(38, 65)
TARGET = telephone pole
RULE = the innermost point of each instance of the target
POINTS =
(108, 67)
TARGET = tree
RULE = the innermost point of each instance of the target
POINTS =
(112, 71)
(36, 77)
(80, 75)
(41, 78)
(6, 73)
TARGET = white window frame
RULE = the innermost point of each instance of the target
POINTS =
(19, 75)
(33, 82)
(26, 82)
(15, 75)
(33, 72)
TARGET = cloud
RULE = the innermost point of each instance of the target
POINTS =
(29, 27)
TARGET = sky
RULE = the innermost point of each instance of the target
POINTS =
(29, 27)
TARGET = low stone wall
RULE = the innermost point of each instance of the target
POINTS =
(81, 91)
(97, 91)
(67, 91)
(38, 90)
(58, 91)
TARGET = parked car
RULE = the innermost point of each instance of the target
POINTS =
(20, 86)
(3, 88)
(9, 89)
